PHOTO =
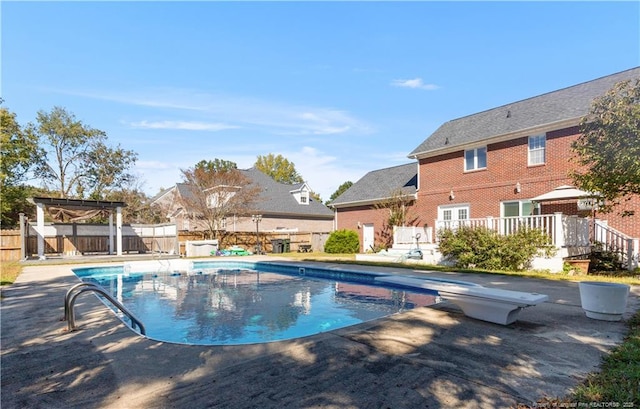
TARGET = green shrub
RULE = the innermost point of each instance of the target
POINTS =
(480, 247)
(342, 241)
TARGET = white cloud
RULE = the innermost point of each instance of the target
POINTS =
(217, 111)
(416, 83)
(183, 125)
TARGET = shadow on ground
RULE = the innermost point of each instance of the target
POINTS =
(424, 358)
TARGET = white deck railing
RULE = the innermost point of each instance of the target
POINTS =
(548, 223)
(563, 231)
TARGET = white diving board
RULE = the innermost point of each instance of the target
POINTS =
(483, 303)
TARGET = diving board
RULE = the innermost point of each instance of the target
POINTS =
(483, 303)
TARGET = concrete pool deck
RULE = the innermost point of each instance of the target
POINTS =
(431, 357)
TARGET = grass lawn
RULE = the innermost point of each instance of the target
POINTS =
(9, 271)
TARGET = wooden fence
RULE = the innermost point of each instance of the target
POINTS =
(248, 240)
(68, 239)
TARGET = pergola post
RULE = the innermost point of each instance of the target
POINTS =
(23, 239)
(111, 232)
(78, 211)
(40, 229)
(119, 229)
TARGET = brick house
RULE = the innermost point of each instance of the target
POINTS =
(492, 164)
(357, 208)
(283, 207)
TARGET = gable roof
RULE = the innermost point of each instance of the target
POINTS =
(277, 199)
(561, 108)
(274, 199)
(379, 185)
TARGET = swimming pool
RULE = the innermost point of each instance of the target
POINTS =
(232, 303)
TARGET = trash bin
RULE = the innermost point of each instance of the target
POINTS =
(286, 246)
(276, 245)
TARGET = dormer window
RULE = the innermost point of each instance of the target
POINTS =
(302, 194)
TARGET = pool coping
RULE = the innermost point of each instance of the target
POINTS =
(433, 356)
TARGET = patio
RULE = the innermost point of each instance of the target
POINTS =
(428, 357)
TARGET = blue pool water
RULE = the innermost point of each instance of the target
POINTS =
(214, 303)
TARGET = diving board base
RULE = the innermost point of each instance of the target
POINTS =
(485, 309)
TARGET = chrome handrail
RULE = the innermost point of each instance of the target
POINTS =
(76, 290)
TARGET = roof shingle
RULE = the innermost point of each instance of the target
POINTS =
(381, 184)
(565, 104)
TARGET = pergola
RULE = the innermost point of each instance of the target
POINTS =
(74, 210)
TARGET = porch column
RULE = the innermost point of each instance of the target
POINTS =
(558, 230)
(111, 232)
(633, 253)
(119, 229)
(40, 229)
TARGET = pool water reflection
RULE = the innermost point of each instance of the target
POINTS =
(241, 306)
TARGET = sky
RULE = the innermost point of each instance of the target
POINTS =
(339, 88)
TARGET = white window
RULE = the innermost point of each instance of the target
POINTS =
(302, 196)
(519, 208)
(515, 216)
(475, 159)
(451, 217)
(537, 149)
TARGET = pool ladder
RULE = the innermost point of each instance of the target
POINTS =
(76, 290)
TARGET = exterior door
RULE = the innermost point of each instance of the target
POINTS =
(450, 217)
(367, 237)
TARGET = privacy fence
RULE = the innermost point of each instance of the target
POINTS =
(74, 239)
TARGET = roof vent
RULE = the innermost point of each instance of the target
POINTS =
(446, 141)
(509, 114)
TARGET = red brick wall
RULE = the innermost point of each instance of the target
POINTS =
(484, 190)
(507, 164)
(350, 217)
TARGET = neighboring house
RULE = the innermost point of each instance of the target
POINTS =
(360, 206)
(282, 207)
(493, 163)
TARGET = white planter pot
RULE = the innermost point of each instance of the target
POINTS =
(603, 301)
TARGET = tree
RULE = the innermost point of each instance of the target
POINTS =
(77, 161)
(20, 151)
(398, 206)
(138, 209)
(216, 192)
(108, 169)
(608, 148)
(279, 168)
(341, 189)
(20, 156)
(216, 165)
